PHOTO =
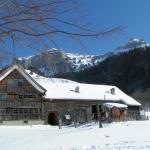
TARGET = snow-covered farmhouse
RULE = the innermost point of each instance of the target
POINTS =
(27, 98)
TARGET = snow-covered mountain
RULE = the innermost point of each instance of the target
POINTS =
(48, 63)
(81, 62)
(131, 44)
(54, 61)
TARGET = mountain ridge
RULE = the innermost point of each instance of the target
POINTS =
(54, 61)
(130, 71)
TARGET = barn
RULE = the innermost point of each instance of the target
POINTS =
(27, 98)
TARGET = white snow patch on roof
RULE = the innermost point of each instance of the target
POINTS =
(111, 105)
(66, 89)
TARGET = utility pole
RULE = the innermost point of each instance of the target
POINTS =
(99, 116)
(60, 115)
(60, 123)
(105, 108)
(75, 118)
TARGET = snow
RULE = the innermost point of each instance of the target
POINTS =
(110, 105)
(79, 59)
(27, 58)
(131, 135)
(65, 89)
(131, 44)
(48, 62)
(147, 114)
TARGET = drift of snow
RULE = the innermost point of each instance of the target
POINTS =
(124, 135)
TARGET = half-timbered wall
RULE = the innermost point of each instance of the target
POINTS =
(19, 100)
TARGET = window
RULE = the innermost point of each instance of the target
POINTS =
(31, 111)
(12, 82)
(25, 110)
(15, 110)
(20, 96)
(20, 110)
(28, 96)
(35, 110)
(9, 110)
(3, 96)
(12, 96)
(25, 96)
(20, 83)
(2, 111)
(15, 82)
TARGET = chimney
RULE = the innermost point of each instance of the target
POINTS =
(31, 72)
(77, 89)
(112, 90)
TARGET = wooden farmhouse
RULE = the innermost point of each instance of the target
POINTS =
(27, 98)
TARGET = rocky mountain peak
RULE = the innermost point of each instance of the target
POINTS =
(131, 44)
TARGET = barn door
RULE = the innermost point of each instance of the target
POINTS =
(53, 118)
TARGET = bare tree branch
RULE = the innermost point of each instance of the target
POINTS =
(25, 21)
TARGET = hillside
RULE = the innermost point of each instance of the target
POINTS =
(130, 71)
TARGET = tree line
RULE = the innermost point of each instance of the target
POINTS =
(130, 71)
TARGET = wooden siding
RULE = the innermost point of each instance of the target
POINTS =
(78, 111)
(133, 113)
(19, 100)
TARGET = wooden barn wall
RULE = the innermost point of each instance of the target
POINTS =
(81, 111)
(77, 107)
(19, 100)
(133, 113)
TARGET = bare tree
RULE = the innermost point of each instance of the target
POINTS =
(40, 22)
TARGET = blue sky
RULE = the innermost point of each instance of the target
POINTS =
(133, 15)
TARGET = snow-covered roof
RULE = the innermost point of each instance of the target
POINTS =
(24, 74)
(70, 90)
(111, 105)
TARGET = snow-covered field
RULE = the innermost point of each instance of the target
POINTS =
(116, 136)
